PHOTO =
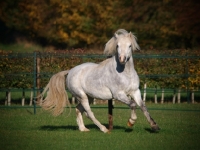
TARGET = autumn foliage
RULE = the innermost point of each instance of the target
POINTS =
(77, 23)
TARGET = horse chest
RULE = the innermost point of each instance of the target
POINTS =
(127, 82)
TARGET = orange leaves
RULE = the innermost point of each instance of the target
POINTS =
(63, 35)
(71, 22)
(161, 24)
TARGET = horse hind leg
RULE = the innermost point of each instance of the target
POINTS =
(79, 119)
(91, 116)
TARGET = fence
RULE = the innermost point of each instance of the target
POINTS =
(161, 75)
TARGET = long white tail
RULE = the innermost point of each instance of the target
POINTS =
(56, 98)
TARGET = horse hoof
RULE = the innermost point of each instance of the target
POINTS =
(85, 130)
(108, 132)
(129, 124)
(155, 128)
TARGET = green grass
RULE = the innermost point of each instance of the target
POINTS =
(179, 123)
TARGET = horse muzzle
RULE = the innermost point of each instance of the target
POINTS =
(122, 59)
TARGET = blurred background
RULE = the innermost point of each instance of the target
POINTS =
(89, 24)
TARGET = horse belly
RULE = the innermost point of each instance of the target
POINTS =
(81, 80)
(99, 93)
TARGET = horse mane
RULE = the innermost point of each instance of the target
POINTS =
(110, 47)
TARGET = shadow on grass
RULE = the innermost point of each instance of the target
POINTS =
(71, 127)
(151, 131)
(55, 128)
(90, 126)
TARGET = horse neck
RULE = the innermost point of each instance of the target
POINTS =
(128, 67)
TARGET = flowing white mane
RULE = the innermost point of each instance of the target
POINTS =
(110, 47)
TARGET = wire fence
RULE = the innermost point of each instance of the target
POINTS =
(163, 77)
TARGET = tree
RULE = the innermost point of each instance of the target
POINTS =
(157, 24)
(187, 16)
(60, 21)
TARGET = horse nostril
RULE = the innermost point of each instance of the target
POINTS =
(122, 59)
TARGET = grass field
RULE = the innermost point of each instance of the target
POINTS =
(179, 123)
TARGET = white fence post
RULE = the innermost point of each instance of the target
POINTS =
(31, 98)
(162, 96)
(174, 97)
(8, 98)
(179, 96)
(94, 102)
(192, 96)
(145, 92)
(155, 96)
(23, 97)
(73, 100)
(113, 101)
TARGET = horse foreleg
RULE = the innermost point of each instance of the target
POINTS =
(133, 117)
(91, 116)
(121, 96)
(152, 123)
(137, 97)
(79, 119)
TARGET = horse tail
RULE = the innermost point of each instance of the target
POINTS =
(56, 96)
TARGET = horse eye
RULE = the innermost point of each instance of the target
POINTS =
(129, 46)
(117, 46)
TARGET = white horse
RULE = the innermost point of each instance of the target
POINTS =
(114, 78)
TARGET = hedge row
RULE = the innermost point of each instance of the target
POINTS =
(167, 69)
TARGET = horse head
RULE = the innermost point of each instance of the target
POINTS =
(122, 44)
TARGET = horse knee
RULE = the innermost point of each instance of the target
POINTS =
(132, 105)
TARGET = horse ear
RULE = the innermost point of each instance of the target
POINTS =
(134, 44)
